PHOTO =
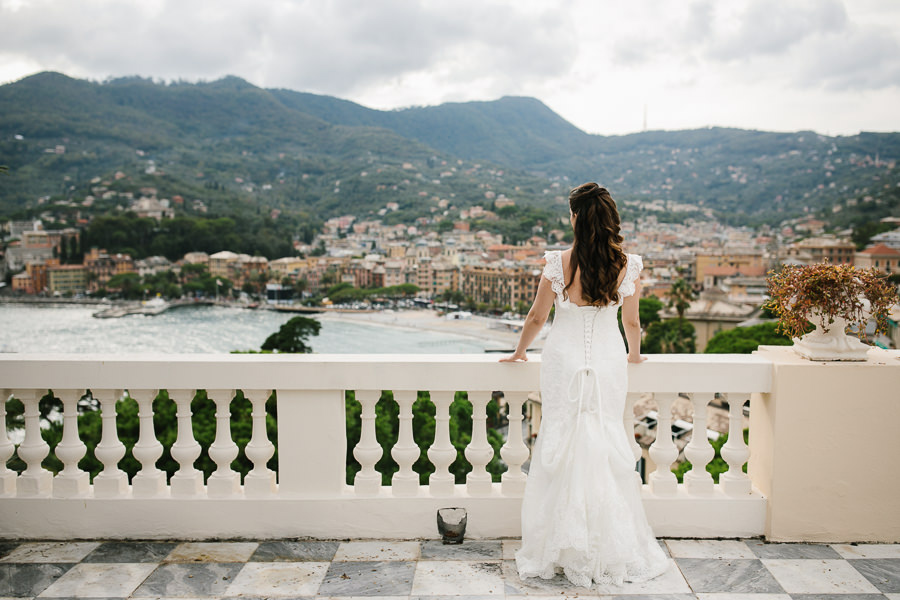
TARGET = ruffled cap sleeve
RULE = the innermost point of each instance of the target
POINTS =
(632, 272)
(553, 271)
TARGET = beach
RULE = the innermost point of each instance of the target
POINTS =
(498, 335)
(39, 328)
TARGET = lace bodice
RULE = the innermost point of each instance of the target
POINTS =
(553, 271)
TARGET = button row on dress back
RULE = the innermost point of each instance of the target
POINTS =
(589, 320)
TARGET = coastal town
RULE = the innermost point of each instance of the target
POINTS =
(457, 267)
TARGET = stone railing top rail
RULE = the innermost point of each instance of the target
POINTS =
(740, 373)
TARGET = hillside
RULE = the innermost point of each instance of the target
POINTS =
(226, 141)
(765, 175)
(242, 148)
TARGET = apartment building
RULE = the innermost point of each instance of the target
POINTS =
(722, 264)
(221, 264)
(102, 266)
(882, 257)
(837, 251)
(503, 284)
(67, 279)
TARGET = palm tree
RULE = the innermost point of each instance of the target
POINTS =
(680, 296)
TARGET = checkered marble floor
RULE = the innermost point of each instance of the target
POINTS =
(707, 570)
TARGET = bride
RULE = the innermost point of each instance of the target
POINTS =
(582, 511)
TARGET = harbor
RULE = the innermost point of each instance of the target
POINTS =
(207, 328)
(155, 306)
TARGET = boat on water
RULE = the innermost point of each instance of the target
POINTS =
(154, 306)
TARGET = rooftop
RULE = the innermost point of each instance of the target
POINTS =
(475, 569)
(881, 250)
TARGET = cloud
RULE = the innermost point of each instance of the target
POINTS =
(774, 26)
(599, 63)
(863, 60)
(338, 47)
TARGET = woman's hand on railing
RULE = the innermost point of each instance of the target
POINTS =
(515, 357)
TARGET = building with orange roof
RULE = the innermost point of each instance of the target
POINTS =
(727, 264)
(882, 257)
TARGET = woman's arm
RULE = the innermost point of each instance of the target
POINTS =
(631, 322)
(534, 322)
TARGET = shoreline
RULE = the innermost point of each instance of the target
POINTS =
(475, 327)
(40, 301)
(496, 335)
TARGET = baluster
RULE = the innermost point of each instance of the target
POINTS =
(260, 481)
(111, 482)
(187, 480)
(405, 482)
(698, 480)
(34, 480)
(368, 451)
(71, 482)
(628, 421)
(224, 481)
(514, 452)
(735, 452)
(663, 451)
(442, 453)
(479, 452)
(7, 448)
(149, 481)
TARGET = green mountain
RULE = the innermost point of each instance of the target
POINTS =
(227, 142)
(732, 171)
(240, 148)
(513, 131)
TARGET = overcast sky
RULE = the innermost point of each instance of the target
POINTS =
(828, 65)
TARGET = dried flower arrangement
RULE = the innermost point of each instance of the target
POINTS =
(800, 293)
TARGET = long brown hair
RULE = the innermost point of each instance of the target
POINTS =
(597, 252)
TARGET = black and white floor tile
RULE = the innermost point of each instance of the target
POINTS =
(429, 570)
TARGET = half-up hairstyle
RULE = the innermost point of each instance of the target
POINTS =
(597, 252)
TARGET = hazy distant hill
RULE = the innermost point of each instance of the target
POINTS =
(519, 132)
(247, 148)
(752, 172)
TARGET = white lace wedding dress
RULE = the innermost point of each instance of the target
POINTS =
(582, 511)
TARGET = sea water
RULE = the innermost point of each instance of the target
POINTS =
(202, 329)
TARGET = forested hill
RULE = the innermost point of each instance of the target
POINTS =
(513, 131)
(240, 147)
(733, 171)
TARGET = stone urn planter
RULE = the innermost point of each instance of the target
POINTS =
(831, 298)
(830, 342)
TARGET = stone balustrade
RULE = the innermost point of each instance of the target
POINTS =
(309, 494)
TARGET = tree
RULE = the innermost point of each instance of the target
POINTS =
(648, 309)
(73, 257)
(127, 284)
(292, 336)
(744, 340)
(680, 296)
(672, 336)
